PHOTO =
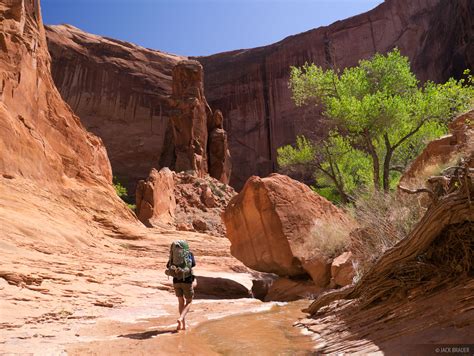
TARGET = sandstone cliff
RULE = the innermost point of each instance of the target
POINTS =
(119, 91)
(250, 86)
(45, 151)
(116, 88)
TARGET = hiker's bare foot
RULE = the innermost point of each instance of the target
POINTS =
(180, 325)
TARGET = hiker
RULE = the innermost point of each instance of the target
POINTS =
(179, 266)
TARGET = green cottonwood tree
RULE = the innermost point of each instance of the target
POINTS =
(380, 107)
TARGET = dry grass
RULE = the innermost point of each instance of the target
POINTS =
(385, 219)
(331, 239)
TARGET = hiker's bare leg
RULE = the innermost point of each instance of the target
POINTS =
(181, 308)
(182, 317)
(180, 304)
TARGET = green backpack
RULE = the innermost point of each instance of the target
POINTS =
(180, 260)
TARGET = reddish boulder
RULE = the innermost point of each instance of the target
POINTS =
(444, 151)
(155, 198)
(342, 271)
(207, 198)
(277, 225)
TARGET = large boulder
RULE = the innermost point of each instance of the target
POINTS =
(279, 225)
(155, 198)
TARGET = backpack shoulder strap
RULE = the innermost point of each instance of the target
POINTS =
(170, 256)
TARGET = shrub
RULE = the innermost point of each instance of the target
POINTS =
(122, 193)
(330, 238)
(119, 188)
(385, 219)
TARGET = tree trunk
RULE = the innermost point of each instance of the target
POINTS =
(386, 170)
(375, 163)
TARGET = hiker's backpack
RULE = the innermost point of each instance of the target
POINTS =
(181, 260)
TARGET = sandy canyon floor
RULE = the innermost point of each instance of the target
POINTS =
(100, 288)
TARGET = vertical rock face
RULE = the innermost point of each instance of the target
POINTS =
(219, 156)
(42, 143)
(195, 130)
(118, 89)
(40, 137)
(251, 86)
(189, 118)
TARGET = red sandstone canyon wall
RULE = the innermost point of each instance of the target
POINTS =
(46, 155)
(117, 88)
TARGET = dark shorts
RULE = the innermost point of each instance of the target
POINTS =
(184, 289)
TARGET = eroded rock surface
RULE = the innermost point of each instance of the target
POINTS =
(120, 91)
(42, 143)
(443, 152)
(342, 271)
(278, 225)
(182, 200)
(155, 199)
(196, 140)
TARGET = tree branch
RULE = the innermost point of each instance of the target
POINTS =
(418, 191)
(411, 133)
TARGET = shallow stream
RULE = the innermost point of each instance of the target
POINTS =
(263, 333)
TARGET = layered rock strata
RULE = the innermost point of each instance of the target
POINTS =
(120, 91)
(250, 86)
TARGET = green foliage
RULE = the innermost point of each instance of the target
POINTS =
(119, 188)
(383, 118)
(337, 168)
(303, 152)
(122, 193)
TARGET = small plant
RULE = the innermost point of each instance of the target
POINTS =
(122, 193)
(330, 238)
(119, 188)
(215, 190)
